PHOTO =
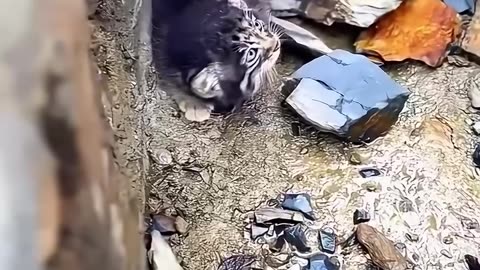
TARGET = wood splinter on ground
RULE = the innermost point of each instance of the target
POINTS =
(382, 251)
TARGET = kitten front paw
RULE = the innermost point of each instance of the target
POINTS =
(195, 111)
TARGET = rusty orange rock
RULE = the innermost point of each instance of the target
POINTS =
(417, 29)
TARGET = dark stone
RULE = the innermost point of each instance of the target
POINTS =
(359, 107)
(164, 224)
(327, 240)
(360, 216)
(412, 237)
(237, 262)
(365, 173)
(299, 202)
(470, 224)
(448, 240)
(295, 129)
(476, 155)
(296, 237)
(472, 262)
(322, 262)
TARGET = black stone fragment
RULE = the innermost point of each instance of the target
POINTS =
(472, 262)
(322, 262)
(360, 216)
(470, 224)
(359, 107)
(296, 237)
(476, 155)
(365, 173)
(299, 202)
(327, 240)
(237, 262)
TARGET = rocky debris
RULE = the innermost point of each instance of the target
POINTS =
(267, 215)
(296, 237)
(359, 109)
(472, 262)
(323, 262)
(161, 156)
(302, 37)
(471, 38)
(458, 61)
(299, 202)
(237, 262)
(302, 245)
(356, 158)
(418, 29)
(476, 155)
(181, 225)
(327, 240)
(462, 6)
(412, 237)
(360, 216)
(369, 172)
(474, 91)
(163, 223)
(358, 13)
(476, 128)
(382, 251)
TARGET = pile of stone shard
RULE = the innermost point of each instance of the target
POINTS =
(294, 239)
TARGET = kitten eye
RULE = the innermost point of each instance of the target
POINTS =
(251, 54)
(257, 24)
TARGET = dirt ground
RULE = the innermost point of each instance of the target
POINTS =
(224, 168)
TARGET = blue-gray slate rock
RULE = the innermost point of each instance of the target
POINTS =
(462, 6)
(347, 95)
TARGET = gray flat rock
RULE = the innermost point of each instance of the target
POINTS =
(302, 36)
(359, 13)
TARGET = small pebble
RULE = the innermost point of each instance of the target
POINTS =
(474, 95)
(355, 158)
(400, 246)
(304, 151)
(470, 224)
(448, 240)
(181, 225)
(412, 237)
(476, 155)
(415, 257)
(476, 128)
(365, 173)
(161, 156)
(360, 216)
(446, 253)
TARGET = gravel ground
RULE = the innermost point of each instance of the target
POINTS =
(224, 168)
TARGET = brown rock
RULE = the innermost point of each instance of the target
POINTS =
(418, 29)
(181, 225)
(381, 249)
